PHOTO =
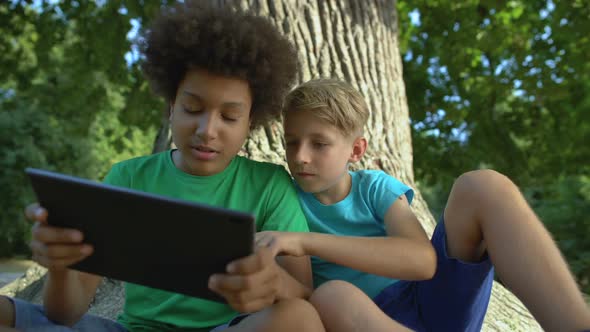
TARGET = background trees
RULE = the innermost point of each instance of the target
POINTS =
(504, 85)
(488, 84)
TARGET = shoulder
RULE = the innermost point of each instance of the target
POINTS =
(263, 170)
(377, 183)
(258, 165)
(123, 171)
(370, 174)
(140, 162)
(370, 178)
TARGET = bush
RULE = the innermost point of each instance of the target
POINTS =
(32, 138)
(564, 206)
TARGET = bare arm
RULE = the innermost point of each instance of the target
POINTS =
(296, 280)
(67, 292)
(406, 253)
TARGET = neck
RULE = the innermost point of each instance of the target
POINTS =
(337, 192)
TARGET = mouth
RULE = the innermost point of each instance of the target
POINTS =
(304, 174)
(204, 153)
(204, 148)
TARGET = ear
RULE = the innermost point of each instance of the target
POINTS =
(359, 146)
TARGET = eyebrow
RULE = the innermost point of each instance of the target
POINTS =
(229, 104)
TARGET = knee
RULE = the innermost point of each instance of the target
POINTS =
(480, 185)
(296, 315)
(334, 295)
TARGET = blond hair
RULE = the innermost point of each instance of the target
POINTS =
(333, 101)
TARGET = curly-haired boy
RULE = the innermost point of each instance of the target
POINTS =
(222, 72)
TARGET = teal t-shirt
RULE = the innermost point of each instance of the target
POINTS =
(361, 213)
(262, 189)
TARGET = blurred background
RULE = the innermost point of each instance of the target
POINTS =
(490, 84)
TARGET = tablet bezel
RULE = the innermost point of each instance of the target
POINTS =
(129, 230)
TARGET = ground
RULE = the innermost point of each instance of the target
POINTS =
(11, 269)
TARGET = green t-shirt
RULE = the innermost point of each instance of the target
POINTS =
(262, 189)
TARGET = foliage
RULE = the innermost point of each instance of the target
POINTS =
(504, 85)
(490, 84)
(565, 208)
(69, 101)
(498, 84)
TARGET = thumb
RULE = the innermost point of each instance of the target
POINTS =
(35, 213)
(268, 246)
(275, 248)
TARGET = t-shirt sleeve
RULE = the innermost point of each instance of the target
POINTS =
(117, 176)
(284, 212)
(384, 190)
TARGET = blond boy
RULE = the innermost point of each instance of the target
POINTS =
(373, 265)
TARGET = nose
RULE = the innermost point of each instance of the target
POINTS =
(301, 155)
(206, 127)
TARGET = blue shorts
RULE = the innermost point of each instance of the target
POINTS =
(31, 317)
(455, 299)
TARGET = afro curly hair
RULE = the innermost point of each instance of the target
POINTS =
(225, 42)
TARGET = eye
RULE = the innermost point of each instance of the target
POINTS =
(319, 145)
(192, 110)
(229, 118)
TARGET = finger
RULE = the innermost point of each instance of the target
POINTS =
(271, 244)
(265, 290)
(275, 248)
(242, 297)
(34, 212)
(50, 234)
(263, 241)
(57, 251)
(241, 283)
(62, 258)
(227, 282)
(253, 263)
(57, 263)
(252, 305)
(258, 236)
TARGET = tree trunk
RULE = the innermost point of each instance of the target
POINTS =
(355, 40)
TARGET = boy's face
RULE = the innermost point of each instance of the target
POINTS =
(210, 120)
(317, 154)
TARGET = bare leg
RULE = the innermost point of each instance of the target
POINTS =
(288, 315)
(345, 308)
(6, 312)
(486, 211)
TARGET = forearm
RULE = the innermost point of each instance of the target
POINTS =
(292, 288)
(296, 279)
(393, 257)
(68, 294)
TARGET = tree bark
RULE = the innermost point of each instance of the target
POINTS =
(355, 40)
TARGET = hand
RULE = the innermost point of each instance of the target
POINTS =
(251, 284)
(282, 243)
(55, 248)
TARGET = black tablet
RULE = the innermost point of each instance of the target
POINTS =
(143, 238)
